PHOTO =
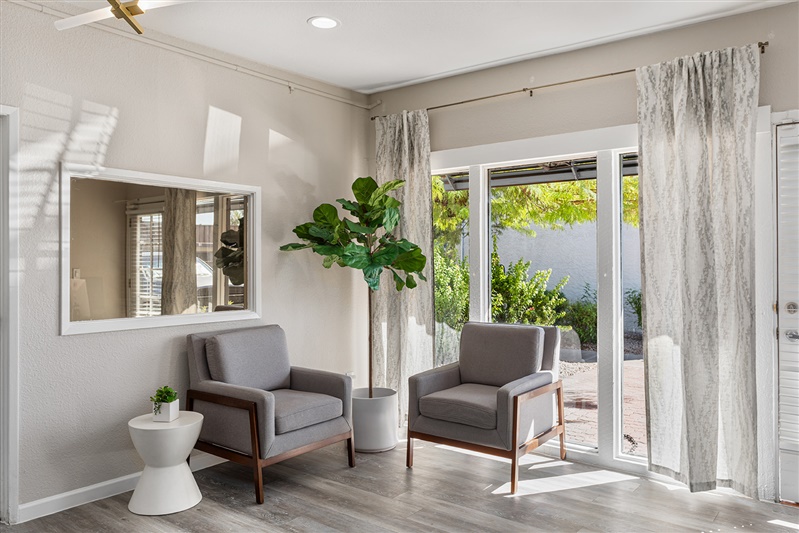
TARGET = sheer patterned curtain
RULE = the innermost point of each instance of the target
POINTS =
(402, 322)
(697, 124)
(179, 282)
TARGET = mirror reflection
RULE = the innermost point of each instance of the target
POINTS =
(141, 250)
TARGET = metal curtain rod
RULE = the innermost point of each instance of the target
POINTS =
(761, 44)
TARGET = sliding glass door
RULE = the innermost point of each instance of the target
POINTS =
(554, 241)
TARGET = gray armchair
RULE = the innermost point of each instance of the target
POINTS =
(258, 410)
(498, 399)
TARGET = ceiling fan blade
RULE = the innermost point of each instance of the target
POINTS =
(105, 13)
(84, 18)
(152, 4)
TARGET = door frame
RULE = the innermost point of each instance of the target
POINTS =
(9, 313)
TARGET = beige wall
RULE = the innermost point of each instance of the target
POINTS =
(598, 103)
(98, 240)
(93, 97)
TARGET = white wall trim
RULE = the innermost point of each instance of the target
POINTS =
(106, 489)
(9, 313)
(68, 171)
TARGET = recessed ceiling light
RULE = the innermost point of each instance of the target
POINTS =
(324, 23)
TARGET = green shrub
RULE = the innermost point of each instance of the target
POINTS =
(633, 298)
(517, 298)
(451, 288)
(581, 315)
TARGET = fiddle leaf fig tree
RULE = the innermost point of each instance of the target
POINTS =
(230, 256)
(366, 242)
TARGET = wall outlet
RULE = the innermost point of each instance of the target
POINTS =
(75, 273)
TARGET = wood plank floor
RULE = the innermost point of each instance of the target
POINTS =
(447, 491)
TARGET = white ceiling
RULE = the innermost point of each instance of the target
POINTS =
(393, 43)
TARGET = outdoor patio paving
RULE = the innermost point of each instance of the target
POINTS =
(580, 399)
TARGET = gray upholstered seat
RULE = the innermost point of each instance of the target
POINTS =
(496, 399)
(470, 404)
(258, 408)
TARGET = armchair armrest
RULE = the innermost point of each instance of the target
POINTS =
(226, 411)
(428, 382)
(322, 382)
(506, 396)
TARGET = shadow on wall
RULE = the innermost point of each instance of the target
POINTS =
(48, 136)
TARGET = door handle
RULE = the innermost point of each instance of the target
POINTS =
(792, 335)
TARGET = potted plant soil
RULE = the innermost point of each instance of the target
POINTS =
(367, 243)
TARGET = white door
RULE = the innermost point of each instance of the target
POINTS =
(787, 166)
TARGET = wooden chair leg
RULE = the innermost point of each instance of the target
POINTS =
(561, 422)
(351, 451)
(258, 475)
(409, 454)
(514, 474)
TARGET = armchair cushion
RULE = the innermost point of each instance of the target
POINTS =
(256, 358)
(496, 354)
(297, 409)
(470, 404)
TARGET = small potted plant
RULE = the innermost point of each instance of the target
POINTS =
(166, 406)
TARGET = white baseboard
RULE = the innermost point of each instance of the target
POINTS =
(98, 491)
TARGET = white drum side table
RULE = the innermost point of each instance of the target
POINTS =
(166, 484)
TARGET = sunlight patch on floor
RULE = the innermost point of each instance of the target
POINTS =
(565, 482)
(783, 523)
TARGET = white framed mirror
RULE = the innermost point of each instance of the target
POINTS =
(141, 250)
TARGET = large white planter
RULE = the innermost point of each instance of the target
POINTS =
(375, 419)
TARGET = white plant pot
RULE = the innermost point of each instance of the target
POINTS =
(169, 412)
(375, 420)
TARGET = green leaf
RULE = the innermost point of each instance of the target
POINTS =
(352, 207)
(326, 215)
(294, 246)
(385, 189)
(421, 276)
(326, 235)
(410, 282)
(329, 260)
(391, 202)
(405, 245)
(235, 273)
(391, 218)
(399, 281)
(303, 232)
(373, 216)
(363, 188)
(372, 276)
(328, 249)
(357, 228)
(231, 237)
(412, 261)
(356, 256)
(386, 254)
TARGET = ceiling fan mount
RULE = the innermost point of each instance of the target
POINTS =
(127, 11)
